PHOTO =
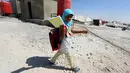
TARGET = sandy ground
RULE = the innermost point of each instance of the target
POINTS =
(25, 48)
(115, 35)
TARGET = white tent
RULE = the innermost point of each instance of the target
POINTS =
(88, 19)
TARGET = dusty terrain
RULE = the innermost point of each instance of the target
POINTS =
(25, 48)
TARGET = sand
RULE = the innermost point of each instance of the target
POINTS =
(25, 48)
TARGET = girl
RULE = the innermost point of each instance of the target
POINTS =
(65, 44)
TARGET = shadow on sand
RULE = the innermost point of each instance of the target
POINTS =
(35, 62)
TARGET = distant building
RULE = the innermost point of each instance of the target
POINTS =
(35, 9)
(97, 22)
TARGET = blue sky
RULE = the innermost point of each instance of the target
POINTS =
(118, 10)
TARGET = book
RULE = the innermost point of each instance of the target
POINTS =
(56, 21)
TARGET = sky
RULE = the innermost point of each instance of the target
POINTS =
(118, 10)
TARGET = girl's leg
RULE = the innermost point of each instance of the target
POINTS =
(56, 56)
(69, 58)
(71, 63)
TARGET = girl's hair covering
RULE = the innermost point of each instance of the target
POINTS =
(66, 13)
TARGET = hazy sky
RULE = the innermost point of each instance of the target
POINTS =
(103, 9)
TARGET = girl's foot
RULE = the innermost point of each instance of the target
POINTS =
(76, 69)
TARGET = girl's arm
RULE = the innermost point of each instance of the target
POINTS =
(62, 32)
